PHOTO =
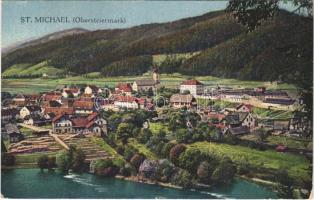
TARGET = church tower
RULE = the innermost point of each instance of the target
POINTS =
(155, 74)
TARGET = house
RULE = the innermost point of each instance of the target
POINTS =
(35, 119)
(281, 124)
(70, 92)
(145, 103)
(128, 102)
(28, 110)
(92, 90)
(260, 89)
(59, 110)
(80, 124)
(182, 100)
(83, 106)
(236, 131)
(123, 88)
(244, 108)
(19, 100)
(144, 85)
(237, 119)
(9, 113)
(52, 96)
(234, 96)
(62, 124)
(14, 133)
(193, 86)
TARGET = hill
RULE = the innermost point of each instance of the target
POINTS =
(214, 44)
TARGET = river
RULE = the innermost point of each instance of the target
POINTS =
(32, 183)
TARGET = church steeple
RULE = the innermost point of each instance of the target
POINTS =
(155, 74)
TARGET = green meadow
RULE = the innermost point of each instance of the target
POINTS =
(36, 85)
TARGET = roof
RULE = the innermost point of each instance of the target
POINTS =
(121, 98)
(81, 104)
(182, 98)
(239, 130)
(219, 116)
(11, 128)
(92, 116)
(236, 117)
(146, 82)
(246, 105)
(54, 103)
(126, 87)
(33, 108)
(80, 122)
(8, 112)
(279, 101)
(93, 87)
(59, 110)
(191, 82)
(56, 118)
(71, 90)
(52, 96)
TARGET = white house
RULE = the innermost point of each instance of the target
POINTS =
(193, 86)
(28, 110)
(126, 102)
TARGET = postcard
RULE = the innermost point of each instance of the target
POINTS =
(156, 99)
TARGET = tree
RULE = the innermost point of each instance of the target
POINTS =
(175, 152)
(190, 159)
(124, 132)
(63, 161)
(106, 168)
(183, 178)
(224, 172)
(144, 136)
(42, 162)
(78, 161)
(150, 92)
(204, 172)
(252, 14)
(183, 135)
(166, 150)
(129, 152)
(8, 159)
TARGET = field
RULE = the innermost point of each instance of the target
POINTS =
(142, 149)
(297, 166)
(30, 159)
(290, 142)
(37, 85)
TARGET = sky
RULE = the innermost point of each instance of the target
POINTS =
(134, 13)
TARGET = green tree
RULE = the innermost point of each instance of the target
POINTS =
(175, 152)
(124, 132)
(183, 135)
(183, 178)
(78, 161)
(63, 161)
(42, 162)
(190, 159)
(224, 172)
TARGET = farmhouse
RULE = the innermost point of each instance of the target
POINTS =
(123, 88)
(181, 100)
(14, 133)
(83, 106)
(193, 86)
(92, 90)
(28, 110)
(244, 108)
(237, 119)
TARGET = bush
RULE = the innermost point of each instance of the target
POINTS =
(190, 159)
(204, 172)
(8, 159)
(63, 161)
(120, 149)
(175, 152)
(183, 135)
(144, 136)
(166, 150)
(78, 161)
(129, 152)
(106, 168)
(224, 172)
(45, 162)
(183, 178)
(165, 170)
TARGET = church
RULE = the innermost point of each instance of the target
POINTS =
(145, 85)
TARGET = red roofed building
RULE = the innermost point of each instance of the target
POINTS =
(52, 96)
(244, 108)
(83, 106)
(123, 88)
(193, 86)
(59, 110)
(126, 102)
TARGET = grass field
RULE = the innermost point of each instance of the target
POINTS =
(290, 142)
(37, 85)
(297, 166)
(142, 149)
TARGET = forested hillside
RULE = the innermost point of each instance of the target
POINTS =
(275, 51)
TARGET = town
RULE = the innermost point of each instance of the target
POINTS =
(140, 121)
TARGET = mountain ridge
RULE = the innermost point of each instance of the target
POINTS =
(216, 35)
